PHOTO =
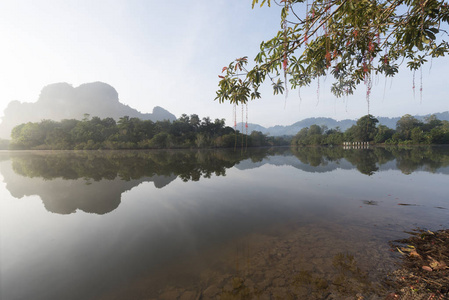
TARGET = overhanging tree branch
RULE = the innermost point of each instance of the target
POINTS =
(341, 38)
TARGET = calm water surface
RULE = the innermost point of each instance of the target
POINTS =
(261, 224)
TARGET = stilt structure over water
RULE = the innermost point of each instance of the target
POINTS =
(356, 145)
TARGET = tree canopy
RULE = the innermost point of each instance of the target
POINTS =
(409, 131)
(348, 40)
(134, 133)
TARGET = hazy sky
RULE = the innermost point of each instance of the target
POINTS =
(170, 53)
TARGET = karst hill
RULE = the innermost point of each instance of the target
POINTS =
(60, 101)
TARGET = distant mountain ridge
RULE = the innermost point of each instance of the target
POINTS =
(279, 130)
(62, 101)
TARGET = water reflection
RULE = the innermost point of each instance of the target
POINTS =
(300, 223)
(94, 181)
(369, 161)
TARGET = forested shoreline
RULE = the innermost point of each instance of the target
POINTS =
(192, 132)
(409, 131)
(133, 133)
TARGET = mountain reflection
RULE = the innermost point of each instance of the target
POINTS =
(94, 181)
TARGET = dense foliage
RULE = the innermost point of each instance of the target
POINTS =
(409, 130)
(348, 40)
(133, 133)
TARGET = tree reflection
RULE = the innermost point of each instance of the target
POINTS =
(93, 181)
(365, 161)
(126, 165)
(411, 159)
(369, 161)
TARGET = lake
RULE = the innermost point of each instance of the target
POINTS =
(275, 223)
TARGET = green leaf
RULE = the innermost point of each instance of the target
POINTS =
(348, 28)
